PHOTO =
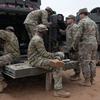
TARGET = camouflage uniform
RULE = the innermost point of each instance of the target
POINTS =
(35, 18)
(39, 57)
(86, 39)
(71, 33)
(11, 48)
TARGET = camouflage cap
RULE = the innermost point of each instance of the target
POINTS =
(84, 10)
(10, 28)
(71, 17)
(49, 9)
(41, 28)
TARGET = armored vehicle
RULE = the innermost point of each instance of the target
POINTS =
(13, 13)
(95, 15)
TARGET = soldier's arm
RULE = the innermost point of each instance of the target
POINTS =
(42, 51)
(45, 18)
(97, 35)
(78, 35)
(3, 35)
(63, 32)
(74, 34)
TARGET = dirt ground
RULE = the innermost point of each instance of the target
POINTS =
(33, 89)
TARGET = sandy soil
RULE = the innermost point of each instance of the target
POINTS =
(33, 89)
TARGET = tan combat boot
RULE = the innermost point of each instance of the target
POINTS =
(93, 82)
(61, 93)
(86, 83)
(56, 63)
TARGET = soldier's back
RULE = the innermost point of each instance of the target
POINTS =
(11, 44)
(89, 30)
(34, 17)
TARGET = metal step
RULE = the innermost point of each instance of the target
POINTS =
(21, 70)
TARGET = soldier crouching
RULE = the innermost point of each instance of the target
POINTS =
(39, 57)
(36, 17)
(10, 51)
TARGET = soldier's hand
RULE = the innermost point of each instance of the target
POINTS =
(62, 31)
(56, 63)
(73, 47)
(49, 24)
(61, 49)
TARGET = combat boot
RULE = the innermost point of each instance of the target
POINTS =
(75, 77)
(92, 81)
(56, 63)
(61, 93)
(86, 83)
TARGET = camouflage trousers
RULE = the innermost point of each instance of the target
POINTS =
(31, 29)
(74, 56)
(4, 60)
(55, 71)
(87, 59)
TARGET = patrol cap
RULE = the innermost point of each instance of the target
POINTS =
(71, 17)
(84, 10)
(10, 28)
(41, 28)
(49, 9)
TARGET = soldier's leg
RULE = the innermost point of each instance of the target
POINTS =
(58, 88)
(3, 84)
(84, 60)
(76, 76)
(93, 71)
(57, 76)
(31, 29)
(70, 65)
(93, 64)
(85, 65)
(4, 60)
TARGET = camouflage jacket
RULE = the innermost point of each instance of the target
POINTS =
(37, 17)
(71, 32)
(11, 45)
(37, 51)
(87, 31)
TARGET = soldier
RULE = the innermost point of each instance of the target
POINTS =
(71, 32)
(39, 57)
(35, 18)
(11, 51)
(87, 42)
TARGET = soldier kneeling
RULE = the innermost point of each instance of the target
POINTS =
(10, 51)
